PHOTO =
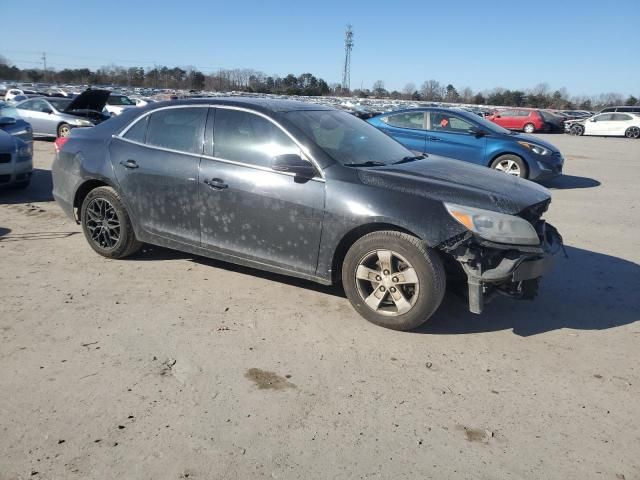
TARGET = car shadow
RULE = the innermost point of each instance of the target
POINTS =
(567, 182)
(154, 253)
(39, 190)
(4, 231)
(586, 291)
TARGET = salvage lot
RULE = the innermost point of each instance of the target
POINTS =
(167, 365)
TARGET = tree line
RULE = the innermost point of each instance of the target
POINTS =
(249, 80)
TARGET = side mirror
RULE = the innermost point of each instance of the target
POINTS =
(496, 116)
(48, 110)
(292, 163)
(593, 120)
(7, 120)
(478, 132)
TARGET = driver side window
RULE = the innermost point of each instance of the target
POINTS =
(446, 122)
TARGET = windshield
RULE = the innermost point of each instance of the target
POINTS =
(347, 139)
(59, 103)
(119, 100)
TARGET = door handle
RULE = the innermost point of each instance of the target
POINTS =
(216, 184)
(129, 164)
(433, 139)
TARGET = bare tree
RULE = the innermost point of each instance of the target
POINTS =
(409, 88)
(431, 90)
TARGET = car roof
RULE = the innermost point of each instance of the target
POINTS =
(256, 103)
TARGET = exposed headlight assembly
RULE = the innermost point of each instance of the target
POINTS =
(83, 123)
(538, 149)
(494, 226)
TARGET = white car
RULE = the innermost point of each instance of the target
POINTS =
(142, 101)
(116, 104)
(606, 125)
(12, 93)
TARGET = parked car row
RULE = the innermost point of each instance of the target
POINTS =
(606, 124)
(16, 149)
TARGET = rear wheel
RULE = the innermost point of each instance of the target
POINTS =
(106, 224)
(576, 130)
(393, 280)
(632, 132)
(510, 164)
(64, 130)
(529, 128)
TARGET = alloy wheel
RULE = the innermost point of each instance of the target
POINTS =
(103, 223)
(64, 131)
(509, 166)
(387, 283)
(633, 132)
(576, 130)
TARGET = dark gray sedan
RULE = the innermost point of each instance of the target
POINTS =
(307, 191)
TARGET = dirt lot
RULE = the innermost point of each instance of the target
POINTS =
(166, 366)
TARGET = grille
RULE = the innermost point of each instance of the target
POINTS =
(5, 157)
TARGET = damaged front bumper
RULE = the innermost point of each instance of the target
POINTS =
(511, 270)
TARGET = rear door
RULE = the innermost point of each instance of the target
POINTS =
(156, 163)
(408, 129)
(619, 123)
(449, 135)
(248, 209)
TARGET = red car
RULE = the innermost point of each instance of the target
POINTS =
(519, 119)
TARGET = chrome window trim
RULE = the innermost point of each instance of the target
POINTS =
(305, 153)
(209, 157)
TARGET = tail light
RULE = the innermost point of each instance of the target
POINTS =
(59, 143)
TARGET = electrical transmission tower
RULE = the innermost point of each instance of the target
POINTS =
(348, 46)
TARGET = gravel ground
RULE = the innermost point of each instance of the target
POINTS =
(169, 366)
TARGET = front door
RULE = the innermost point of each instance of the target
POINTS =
(156, 165)
(251, 211)
(599, 125)
(39, 114)
(449, 135)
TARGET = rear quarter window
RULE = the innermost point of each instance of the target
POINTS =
(180, 129)
(138, 131)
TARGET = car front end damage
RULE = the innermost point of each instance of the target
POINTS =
(508, 269)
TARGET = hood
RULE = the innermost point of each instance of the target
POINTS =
(454, 181)
(89, 100)
(537, 140)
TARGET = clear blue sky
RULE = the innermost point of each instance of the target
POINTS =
(589, 47)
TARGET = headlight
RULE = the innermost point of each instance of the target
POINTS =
(540, 150)
(25, 152)
(83, 123)
(495, 226)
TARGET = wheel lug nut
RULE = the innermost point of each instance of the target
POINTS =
(382, 289)
(392, 289)
(395, 279)
(386, 272)
(378, 278)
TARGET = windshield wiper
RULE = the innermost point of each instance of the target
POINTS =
(368, 163)
(410, 159)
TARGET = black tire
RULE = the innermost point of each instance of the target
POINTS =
(126, 243)
(64, 129)
(632, 132)
(521, 165)
(529, 128)
(576, 130)
(425, 263)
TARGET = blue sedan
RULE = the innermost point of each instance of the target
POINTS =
(464, 136)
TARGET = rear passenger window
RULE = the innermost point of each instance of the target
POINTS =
(249, 138)
(180, 129)
(138, 131)
(406, 120)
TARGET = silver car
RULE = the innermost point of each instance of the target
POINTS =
(16, 161)
(55, 116)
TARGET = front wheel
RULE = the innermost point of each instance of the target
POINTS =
(64, 130)
(529, 128)
(106, 224)
(632, 132)
(393, 280)
(510, 164)
(576, 130)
